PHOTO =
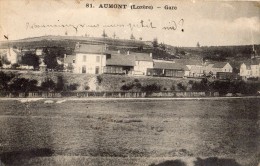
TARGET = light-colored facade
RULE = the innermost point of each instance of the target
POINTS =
(249, 70)
(195, 67)
(12, 55)
(141, 67)
(245, 71)
(221, 67)
(90, 63)
(90, 59)
(195, 70)
(39, 51)
(142, 63)
(255, 70)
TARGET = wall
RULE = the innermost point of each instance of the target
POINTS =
(255, 70)
(90, 63)
(141, 66)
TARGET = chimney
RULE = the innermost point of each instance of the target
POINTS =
(128, 52)
(151, 55)
(118, 51)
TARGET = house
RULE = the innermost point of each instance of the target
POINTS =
(220, 67)
(195, 67)
(90, 59)
(134, 63)
(167, 69)
(69, 62)
(39, 51)
(117, 63)
(208, 68)
(13, 55)
(250, 69)
(255, 68)
(245, 70)
(142, 63)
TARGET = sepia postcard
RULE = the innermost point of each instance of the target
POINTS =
(135, 83)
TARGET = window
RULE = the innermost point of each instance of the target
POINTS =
(98, 59)
(73, 61)
(84, 58)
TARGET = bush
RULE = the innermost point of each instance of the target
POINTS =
(151, 88)
(48, 85)
(15, 65)
(222, 87)
(23, 85)
(99, 79)
(136, 80)
(127, 86)
(173, 87)
(60, 83)
(86, 87)
(181, 87)
(72, 86)
(5, 79)
(132, 85)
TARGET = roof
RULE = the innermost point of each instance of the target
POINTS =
(219, 64)
(188, 61)
(69, 58)
(255, 62)
(88, 48)
(121, 60)
(169, 65)
(142, 57)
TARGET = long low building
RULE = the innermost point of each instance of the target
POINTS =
(167, 69)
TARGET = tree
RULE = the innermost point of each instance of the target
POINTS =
(132, 37)
(23, 85)
(5, 79)
(60, 83)
(31, 60)
(114, 35)
(48, 85)
(155, 42)
(104, 34)
(162, 46)
(51, 61)
(198, 44)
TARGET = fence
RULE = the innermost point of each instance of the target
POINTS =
(107, 94)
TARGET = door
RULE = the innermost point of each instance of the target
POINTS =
(97, 70)
(84, 69)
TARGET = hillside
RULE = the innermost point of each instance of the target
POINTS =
(233, 54)
(69, 41)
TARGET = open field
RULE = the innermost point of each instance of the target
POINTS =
(130, 132)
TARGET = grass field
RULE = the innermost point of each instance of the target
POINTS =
(130, 132)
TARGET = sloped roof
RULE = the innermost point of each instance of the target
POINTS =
(255, 62)
(169, 65)
(219, 64)
(87, 48)
(121, 60)
(69, 58)
(142, 57)
(188, 61)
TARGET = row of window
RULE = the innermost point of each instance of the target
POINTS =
(85, 58)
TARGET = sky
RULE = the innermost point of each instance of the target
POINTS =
(211, 23)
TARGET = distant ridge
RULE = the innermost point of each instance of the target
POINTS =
(82, 39)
